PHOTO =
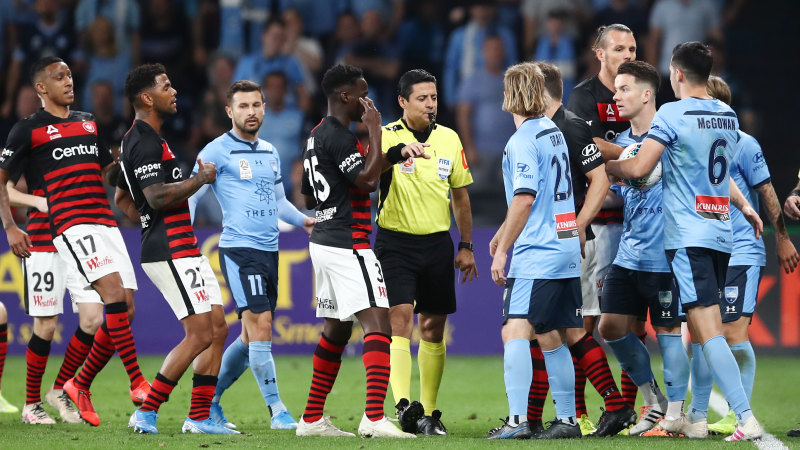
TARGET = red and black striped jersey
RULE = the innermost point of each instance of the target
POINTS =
(331, 161)
(62, 156)
(147, 160)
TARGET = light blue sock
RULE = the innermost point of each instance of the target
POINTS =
(702, 383)
(518, 373)
(561, 374)
(263, 367)
(676, 366)
(743, 352)
(633, 357)
(234, 362)
(726, 373)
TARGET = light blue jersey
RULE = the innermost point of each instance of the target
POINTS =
(249, 190)
(749, 171)
(701, 137)
(642, 244)
(536, 161)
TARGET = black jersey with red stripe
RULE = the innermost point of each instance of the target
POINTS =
(147, 160)
(331, 161)
(593, 102)
(62, 155)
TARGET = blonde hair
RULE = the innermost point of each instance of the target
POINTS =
(524, 90)
(719, 89)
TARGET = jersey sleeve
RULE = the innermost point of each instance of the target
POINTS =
(348, 158)
(754, 167)
(460, 176)
(146, 163)
(660, 129)
(523, 158)
(582, 103)
(15, 154)
(582, 147)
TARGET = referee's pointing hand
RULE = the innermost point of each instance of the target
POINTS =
(415, 150)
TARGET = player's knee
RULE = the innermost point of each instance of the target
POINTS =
(200, 339)
(609, 331)
(45, 327)
(220, 331)
(90, 323)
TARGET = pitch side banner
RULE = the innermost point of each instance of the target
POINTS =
(474, 329)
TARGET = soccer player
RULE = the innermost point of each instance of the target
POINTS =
(542, 290)
(640, 279)
(589, 359)
(592, 100)
(339, 175)
(153, 181)
(750, 173)
(5, 406)
(57, 150)
(695, 138)
(414, 247)
(250, 191)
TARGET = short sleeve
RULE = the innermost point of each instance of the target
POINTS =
(523, 159)
(753, 165)
(583, 104)
(15, 154)
(305, 184)
(349, 158)
(460, 176)
(660, 129)
(122, 183)
(146, 163)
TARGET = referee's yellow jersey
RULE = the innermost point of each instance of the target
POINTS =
(415, 194)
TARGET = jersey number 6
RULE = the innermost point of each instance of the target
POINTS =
(716, 157)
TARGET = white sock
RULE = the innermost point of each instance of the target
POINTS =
(650, 393)
(515, 420)
(674, 410)
(569, 420)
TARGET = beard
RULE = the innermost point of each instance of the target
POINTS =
(250, 129)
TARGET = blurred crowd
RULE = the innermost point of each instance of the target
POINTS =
(286, 45)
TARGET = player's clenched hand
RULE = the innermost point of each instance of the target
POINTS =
(41, 204)
(582, 238)
(499, 268)
(206, 171)
(415, 150)
(493, 243)
(787, 254)
(308, 224)
(371, 117)
(465, 262)
(792, 207)
(752, 216)
(19, 242)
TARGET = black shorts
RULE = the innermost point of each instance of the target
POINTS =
(700, 275)
(633, 292)
(418, 267)
(547, 304)
(252, 277)
(741, 292)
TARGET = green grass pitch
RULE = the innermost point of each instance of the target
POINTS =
(472, 398)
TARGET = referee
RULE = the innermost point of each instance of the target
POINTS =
(413, 244)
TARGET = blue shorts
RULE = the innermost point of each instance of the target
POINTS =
(700, 275)
(633, 292)
(547, 304)
(252, 276)
(741, 292)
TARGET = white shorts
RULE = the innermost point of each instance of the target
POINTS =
(96, 251)
(591, 301)
(606, 245)
(346, 281)
(46, 277)
(188, 284)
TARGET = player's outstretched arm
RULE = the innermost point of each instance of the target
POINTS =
(462, 211)
(792, 205)
(18, 240)
(516, 218)
(640, 165)
(609, 150)
(166, 195)
(748, 212)
(288, 213)
(787, 253)
(19, 199)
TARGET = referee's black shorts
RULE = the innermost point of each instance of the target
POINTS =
(418, 267)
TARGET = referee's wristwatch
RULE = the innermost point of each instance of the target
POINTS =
(466, 245)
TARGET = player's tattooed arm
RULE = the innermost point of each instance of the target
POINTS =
(741, 203)
(164, 196)
(18, 240)
(787, 253)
